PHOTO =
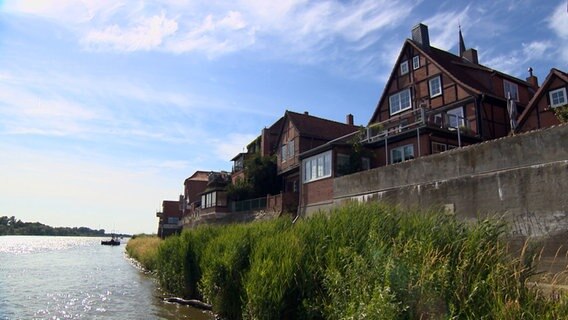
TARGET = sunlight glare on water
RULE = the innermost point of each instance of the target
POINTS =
(77, 278)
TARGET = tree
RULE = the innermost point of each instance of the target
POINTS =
(260, 179)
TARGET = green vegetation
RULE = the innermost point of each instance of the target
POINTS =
(561, 113)
(144, 249)
(260, 179)
(359, 262)
(13, 226)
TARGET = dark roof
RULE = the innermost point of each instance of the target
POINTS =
(473, 77)
(198, 173)
(318, 128)
(533, 103)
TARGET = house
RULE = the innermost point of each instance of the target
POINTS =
(214, 202)
(264, 145)
(169, 218)
(435, 100)
(190, 201)
(301, 133)
(551, 96)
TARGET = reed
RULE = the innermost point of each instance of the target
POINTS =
(358, 262)
(144, 249)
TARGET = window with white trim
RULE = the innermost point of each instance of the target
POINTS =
(317, 167)
(404, 67)
(435, 85)
(284, 153)
(403, 153)
(400, 101)
(558, 97)
(415, 62)
(456, 118)
(512, 88)
(291, 149)
(439, 147)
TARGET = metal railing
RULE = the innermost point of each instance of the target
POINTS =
(248, 205)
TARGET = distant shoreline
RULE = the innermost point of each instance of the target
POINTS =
(10, 226)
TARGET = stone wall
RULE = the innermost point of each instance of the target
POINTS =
(523, 179)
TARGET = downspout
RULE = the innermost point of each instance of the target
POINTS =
(478, 103)
(300, 191)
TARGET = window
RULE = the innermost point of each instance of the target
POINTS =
(511, 88)
(402, 153)
(284, 154)
(173, 220)
(213, 199)
(435, 85)
(203, 201)
(290, 149)
(415, 62)
(438, 147)
(558, 97)
(317, 167)
(456, 118)
(404, 67)
(400, 101)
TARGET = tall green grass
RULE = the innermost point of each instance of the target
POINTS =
(357, 262)
(144, 249)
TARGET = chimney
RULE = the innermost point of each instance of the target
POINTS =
(306, 113)
(420, 35)
(533, 80)
(349, 119)
(471, 55)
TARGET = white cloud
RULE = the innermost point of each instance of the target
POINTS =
(444, 28)
(558, 22)
(145, 34)
(232, 145)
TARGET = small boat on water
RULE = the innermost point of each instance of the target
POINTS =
(112, 242)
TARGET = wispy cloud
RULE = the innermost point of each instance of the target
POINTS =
(558, 22)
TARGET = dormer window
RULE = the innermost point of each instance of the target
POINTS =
(400, 101)
(404, 67)
(415, 62)
(511, 88)
(435, 85)
(558, 97)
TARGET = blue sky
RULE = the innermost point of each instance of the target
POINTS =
(107, 106)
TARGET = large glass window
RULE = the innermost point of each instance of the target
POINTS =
(400, 101)
(402, 153)
(317, 167)
(284, 154)
(291, 149)
(435, 85)
(558, 97)
(512, 88)
(456, 118)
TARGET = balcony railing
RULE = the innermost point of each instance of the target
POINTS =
(248, 205)
(414, 120)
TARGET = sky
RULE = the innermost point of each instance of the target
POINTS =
(106, 107)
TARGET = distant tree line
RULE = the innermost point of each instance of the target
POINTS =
(13, 226)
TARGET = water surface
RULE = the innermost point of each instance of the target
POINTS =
(78, 278)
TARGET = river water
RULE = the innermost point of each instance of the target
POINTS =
(78, 278)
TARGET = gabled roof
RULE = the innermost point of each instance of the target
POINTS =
(457, 68)
(318, 128)
(199, 176)
(533, 103)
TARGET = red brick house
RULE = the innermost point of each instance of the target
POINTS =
(170, 217)
(300, 133)
(540, 110)
(434, 101)
(194, 186)
(265, 145)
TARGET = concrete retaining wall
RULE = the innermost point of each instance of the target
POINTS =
(522, 178)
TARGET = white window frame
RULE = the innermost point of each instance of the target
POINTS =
(398, 100)
(562, 92)
(284, 153)
(291, 149)
(433, 84)
(415, 62)
(441, 147)
(402, 150)
(456, 114)
(317, 167)
(404, 67)
(512, 87)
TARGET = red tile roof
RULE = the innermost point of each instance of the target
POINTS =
(318, 128)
